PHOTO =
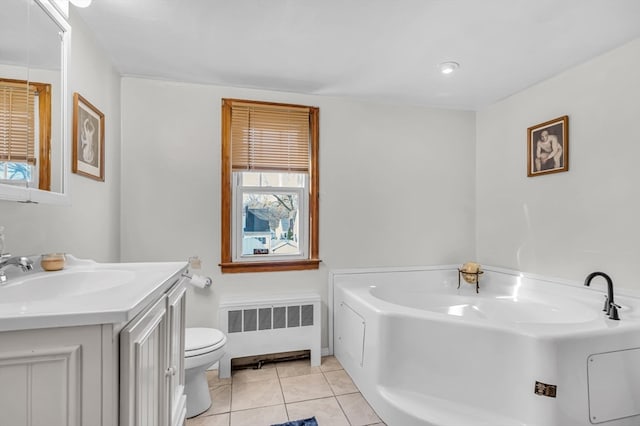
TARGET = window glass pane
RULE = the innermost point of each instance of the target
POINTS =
(291, 180)
(270, 224)
(15, 171)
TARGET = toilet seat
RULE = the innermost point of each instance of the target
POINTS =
(198, 341)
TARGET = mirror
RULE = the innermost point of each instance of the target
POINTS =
(34, 103)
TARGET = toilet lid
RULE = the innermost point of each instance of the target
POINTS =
(202, 340)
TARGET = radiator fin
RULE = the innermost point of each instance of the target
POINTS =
(257, 319)
(306, 315)
(279, 317)
(250, 319)
(235, 321)
(293, 316)
(264, 319)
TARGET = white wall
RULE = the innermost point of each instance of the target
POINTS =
(565, 224)
(377, 207)
(89, 227)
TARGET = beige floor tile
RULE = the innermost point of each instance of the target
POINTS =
(340, 382)
(220, 400)
(301, 388)
(296, 368)
(327, 411)
(250, 375)
(259, 416)
(255, 394)
(330, 363)
(217, 420)
(357, 410)
(214, 381)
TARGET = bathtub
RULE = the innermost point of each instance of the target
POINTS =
(525, 350)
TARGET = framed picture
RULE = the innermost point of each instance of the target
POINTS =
(548, 147)
(88, 139)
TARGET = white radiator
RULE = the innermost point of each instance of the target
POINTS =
(269, 325)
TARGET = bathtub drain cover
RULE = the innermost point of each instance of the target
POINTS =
(545, 389)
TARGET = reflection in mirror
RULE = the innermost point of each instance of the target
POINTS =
(25, 129)
(34, 40)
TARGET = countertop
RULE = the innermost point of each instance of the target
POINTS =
(139, 284)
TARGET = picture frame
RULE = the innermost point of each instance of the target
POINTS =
(88, 139)
(548, 147)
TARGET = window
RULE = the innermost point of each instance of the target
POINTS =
(269, 186)
(25, 111)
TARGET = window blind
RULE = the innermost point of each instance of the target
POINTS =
(16, 123)
(269, 137)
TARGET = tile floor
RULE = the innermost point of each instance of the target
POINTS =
(285, 391)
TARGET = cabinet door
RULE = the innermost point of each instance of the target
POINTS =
(41, 387)
(176, 304)
(143, 368)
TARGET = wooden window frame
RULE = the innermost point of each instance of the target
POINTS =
(44, 106)
(227, 265)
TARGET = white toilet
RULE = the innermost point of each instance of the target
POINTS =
(203, 348)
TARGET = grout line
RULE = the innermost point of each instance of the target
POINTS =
(284, 401)
(230, 396)
(343, 412)
(254, 408)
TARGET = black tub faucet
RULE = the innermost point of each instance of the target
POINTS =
(610, 306)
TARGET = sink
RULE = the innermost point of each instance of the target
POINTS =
(85, 292)
(63, 284)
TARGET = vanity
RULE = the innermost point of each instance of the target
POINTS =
(93, 344)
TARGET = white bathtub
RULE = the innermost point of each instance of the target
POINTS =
(423, 352)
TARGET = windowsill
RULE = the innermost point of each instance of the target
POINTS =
(289, 265)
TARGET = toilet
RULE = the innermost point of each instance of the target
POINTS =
(203, 348)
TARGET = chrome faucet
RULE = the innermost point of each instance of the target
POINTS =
(7, 260)
(610, 306)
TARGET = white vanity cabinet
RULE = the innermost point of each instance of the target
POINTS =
(117, 365)
(52, 377)
(152, 364)
(177, 302)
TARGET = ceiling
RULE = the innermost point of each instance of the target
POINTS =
(380, 50)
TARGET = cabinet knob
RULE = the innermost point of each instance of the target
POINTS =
(171, 371)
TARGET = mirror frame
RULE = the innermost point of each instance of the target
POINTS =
(34, 195)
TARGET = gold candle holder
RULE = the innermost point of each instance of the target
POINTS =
(470, 272)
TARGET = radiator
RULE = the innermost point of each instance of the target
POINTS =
(269, 325)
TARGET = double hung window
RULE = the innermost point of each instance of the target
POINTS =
(25, 129)
(269, 186)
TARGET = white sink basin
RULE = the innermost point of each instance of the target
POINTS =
(63, 284)
(85, 292)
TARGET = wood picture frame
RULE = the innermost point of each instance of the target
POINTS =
(548, 147)
(88, 139)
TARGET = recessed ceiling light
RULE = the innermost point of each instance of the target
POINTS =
(448, 67)
(81, 3)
